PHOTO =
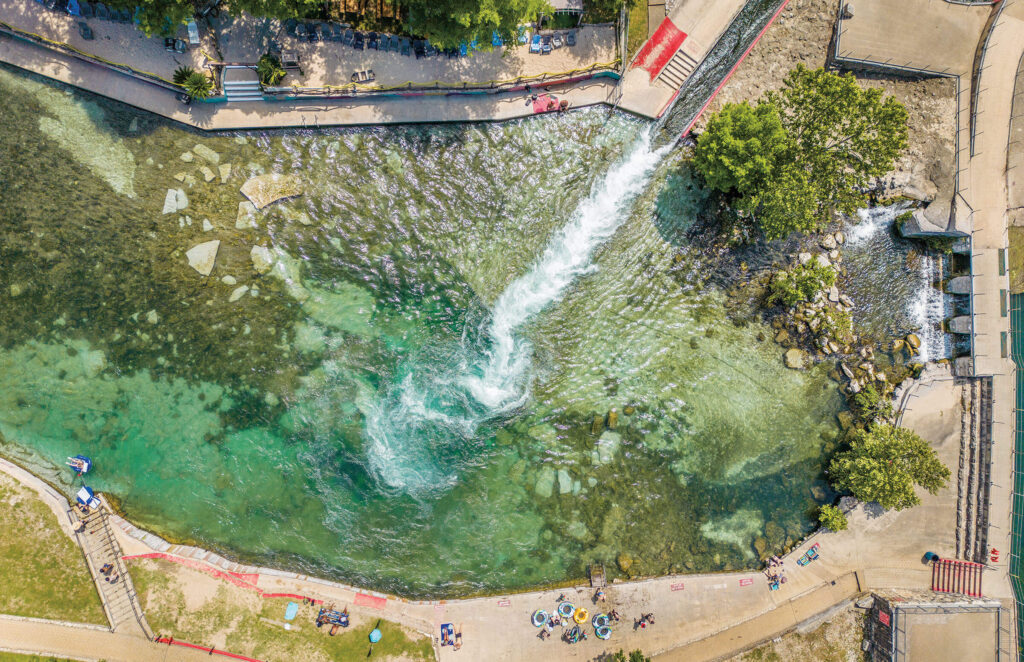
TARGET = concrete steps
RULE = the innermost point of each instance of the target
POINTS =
(972, 474)
(678, 69)
(243, 91)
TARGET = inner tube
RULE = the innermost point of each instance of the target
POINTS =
(603, 632)
(540, 617)
(581, 615)
(566, 609)
(599, 620)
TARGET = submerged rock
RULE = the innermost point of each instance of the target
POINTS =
(246, 217)
(238, 293)
(207, 174)
(913, 341)
(545, 486)
(263, 190)
(607, 447)
(262, 259)
(564, 482)
(224, 170)
(201, 257)
(796, 359)
(207, 154)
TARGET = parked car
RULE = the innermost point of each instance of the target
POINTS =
(535, 44)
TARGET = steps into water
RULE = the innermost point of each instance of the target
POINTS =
(678, 69)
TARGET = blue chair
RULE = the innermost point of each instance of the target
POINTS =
(535, 44)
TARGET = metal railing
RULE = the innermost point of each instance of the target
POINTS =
(979, 65)
(1017, 495)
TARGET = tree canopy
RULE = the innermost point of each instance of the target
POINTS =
(452, 22)
(832, 518)
(802, 153)
(884, 463)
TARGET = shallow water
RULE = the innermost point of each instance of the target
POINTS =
(408, 399)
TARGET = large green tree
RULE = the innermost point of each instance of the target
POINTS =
(802, 153)
(451, 22)
(884, 463)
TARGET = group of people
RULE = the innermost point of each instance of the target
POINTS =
(775, 572)
(645, 620)
(108, 573)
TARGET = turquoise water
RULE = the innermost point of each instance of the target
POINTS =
(407, 399)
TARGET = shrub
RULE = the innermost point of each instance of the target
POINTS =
(869, 405)
(800, 283)
(198, 85)
(269, 70)
(181, 74)
(832, 518)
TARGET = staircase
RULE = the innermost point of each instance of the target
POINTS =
(973, 470)
(241, 84)
(119, 598)
(678, 69)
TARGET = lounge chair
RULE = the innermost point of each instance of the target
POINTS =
(496, 40)
(302, 31)
(545, 45)
(372, 41)
(358, 41)
(289, 27)
(394, 44)
(556, 40)
(418, 48)
(429, 49)
(570, 38)
(405, 46)
(316, 33)
(535, 44)
(122, 16)
(336, 34)
(463, 49)
(88, 10)
(102, 12)
(348, 37)
(85, 31)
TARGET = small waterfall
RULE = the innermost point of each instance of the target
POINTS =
(930, 308)
(427, 419)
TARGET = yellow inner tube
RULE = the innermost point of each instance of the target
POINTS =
(581, 615)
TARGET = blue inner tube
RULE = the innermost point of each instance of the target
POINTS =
(599, 620)
(540, 617)
(566, 609)
(603, 632)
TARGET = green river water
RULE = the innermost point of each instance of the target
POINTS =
(406, 401)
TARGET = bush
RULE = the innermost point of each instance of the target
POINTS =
(801, 283)
(884, 463)
(269, 70)
(198, 85)
(869, 405)
(832, 518)
(181, 74)
(634, 656)
(838, 324)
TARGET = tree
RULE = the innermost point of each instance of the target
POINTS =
(634, 656)
(800, 283)
(884, 462)
(280, 9)
(198, 85)
(801, 154)
(453, 22)
(160, 17)
(869, 405)
(832, 518)
(269, 70)
(741, 147)
(181, 74)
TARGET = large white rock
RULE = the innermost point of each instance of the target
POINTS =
(202, 256)
(171, 201)
(204, 152)
(262, 259)
(224, 170)
(180, 199)
(265, 189)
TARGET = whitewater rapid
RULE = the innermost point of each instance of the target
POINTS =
(435, 406)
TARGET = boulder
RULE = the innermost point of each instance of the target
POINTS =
(828, 242)
(544, 433)
(629, 410)
(229, 280)
(152, 317)
(804, 258)
(202, 256)
(613, 419)
(845, 419)
(17, 289)
(171, 201)
(833, 294)
(597, 424)
(624, 561)
(207, 154)
(262, 259)
(224, 170)
(796, 359)
(840, 238)
(187, 157)
(822, 260)
(246, 217)
(913, 341)
(207, 174)
(607, 447)
(238, 293)
(760, 546)
(207, 225)
(263, 190)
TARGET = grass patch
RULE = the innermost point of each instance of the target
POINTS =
(17, 657)
(1016, 260)
(42, 572)
(837, 640)
(238, 620)
(637, 28)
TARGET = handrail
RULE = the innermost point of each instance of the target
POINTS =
(976, 74)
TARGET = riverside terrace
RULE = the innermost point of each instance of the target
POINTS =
(325, 63)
